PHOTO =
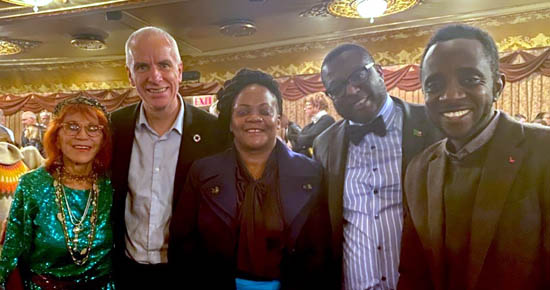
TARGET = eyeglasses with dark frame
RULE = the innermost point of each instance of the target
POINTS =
(73, 128)
(359, 76)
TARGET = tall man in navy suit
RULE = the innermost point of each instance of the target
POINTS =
(155, 142)
(364, 156)
(478, 202)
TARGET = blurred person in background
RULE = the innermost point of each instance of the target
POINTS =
(316, 110)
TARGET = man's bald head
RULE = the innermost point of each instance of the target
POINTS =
(146, 32)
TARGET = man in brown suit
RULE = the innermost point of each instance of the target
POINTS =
(477, 209)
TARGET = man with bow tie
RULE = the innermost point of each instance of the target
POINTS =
(364, 156)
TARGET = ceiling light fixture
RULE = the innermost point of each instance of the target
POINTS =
(88, 42)
(371, 8)
(9, 48)
(238, 28)
(34, 3)
(368, 8)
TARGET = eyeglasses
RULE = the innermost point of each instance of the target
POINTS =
(358, 77)
(73, 128)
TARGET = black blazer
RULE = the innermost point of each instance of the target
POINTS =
(331, 149)
(509, 245)
(305, 138)
(205, 227)
(195, 122)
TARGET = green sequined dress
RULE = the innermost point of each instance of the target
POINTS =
(35, 239)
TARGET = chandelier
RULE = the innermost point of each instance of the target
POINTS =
(32, 3)
(368, 8)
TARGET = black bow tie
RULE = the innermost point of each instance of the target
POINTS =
(357, 132)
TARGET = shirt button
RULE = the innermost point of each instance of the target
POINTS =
(376, 191)
(372, 147)
(379, 248)
(374, 169)
(157, 169)
(376, 216)
(383, 278)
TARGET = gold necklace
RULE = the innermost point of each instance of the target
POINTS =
(79, 257)
(75, 177)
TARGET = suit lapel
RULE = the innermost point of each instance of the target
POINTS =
(126, 139)
(413, 136)
(189, 147)
(125, 135)
(220, 190)
(504, 158)
(295, 188)
(337, 159)
(435, 214)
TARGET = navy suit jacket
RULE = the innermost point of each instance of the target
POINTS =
(205, 224)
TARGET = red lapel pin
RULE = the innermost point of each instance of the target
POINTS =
(511, 160)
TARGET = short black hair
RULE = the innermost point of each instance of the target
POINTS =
(343, 48)
(232, 88)
(458, 31)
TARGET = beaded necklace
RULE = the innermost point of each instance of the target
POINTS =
(79, 256)
(75, 177)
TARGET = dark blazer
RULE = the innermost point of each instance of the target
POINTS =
(510, 228)
(205, 225)
(305, 138)
(195, 123)
(331, 149)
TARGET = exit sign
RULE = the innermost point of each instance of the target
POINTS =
(201, 101)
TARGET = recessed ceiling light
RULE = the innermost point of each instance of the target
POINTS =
(88, 42)
(238, 28)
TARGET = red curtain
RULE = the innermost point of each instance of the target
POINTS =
(112, 99)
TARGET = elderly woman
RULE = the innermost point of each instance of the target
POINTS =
(256, 217)
(59, 231)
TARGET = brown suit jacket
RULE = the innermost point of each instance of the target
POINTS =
(510, 235)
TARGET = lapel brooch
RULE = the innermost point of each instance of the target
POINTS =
(197, 138)
(417, 133)
(215, 190)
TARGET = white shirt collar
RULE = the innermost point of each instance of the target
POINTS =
(178, 123)
(318, 116)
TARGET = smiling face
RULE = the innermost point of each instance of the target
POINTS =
(255, 119)
(359, 102)
(155, 70)
(80, 149)
(459, 88)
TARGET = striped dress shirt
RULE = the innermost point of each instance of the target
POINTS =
(373, 210)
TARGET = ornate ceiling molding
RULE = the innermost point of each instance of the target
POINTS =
(63, 88)
(399, 34)
(520, 42)
(36, 67)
